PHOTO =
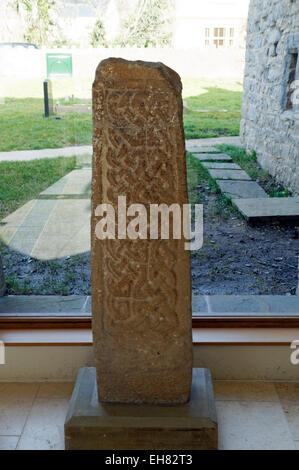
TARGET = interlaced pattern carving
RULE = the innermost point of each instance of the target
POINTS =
(138, 133)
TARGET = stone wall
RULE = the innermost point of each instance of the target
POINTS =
(270, 114)
(196, 62)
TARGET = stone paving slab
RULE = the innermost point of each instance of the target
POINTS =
(57, 224)
(66, 232)
(231, 140)
(29, 229)
(230, 175)
(203, 157)
(84, 160)
(269, 209)
(221, 166)
(52, 229)
(75, 182)
(202, 305)
(19, 214)
(241, 189)
(192, 149)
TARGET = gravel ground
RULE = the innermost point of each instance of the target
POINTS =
(238, 258)
(66, 276)
(235, 258)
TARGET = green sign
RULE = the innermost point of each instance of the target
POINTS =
(59, 65)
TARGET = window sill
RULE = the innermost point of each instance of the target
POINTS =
(74, 312)
(201, 337)
(214, 322)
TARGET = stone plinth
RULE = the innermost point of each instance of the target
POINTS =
(141, 289)
(91, 425)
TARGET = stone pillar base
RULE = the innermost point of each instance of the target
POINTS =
(91, 425)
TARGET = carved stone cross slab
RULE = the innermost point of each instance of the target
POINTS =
(141, 288)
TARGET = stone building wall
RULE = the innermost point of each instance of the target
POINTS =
(270, 113)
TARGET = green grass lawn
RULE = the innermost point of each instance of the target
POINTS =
(22, 181)
(214, 110)
(23, 127)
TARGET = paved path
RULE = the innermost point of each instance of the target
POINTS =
(55, 224)
(248, 196)
(23, 155)
(273, 208)
(231, 179)
(198, 144)
(26, 155)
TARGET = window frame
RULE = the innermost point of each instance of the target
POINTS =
(213, 36)
(197, 322)
(204, 321)
(292, 49)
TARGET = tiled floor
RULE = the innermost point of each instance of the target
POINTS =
(251, 415)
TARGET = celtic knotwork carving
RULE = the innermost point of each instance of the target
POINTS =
(139, 285)
(140, 108)
(140, 280)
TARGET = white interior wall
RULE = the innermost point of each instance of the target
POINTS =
(61, 363)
